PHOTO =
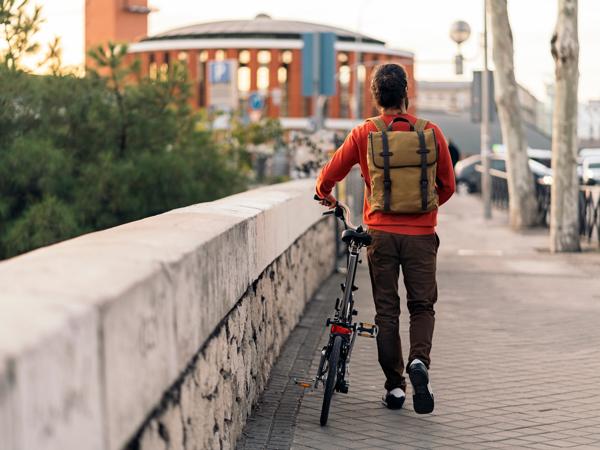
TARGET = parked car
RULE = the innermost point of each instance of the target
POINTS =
(537, 154)
(469, 179)
(587, 152)
(591, 170)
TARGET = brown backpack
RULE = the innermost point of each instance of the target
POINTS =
(402, 167)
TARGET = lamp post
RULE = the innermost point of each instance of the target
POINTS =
(459, 33)
(486, 179)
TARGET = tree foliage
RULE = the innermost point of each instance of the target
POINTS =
(18, 24)
(82, 154)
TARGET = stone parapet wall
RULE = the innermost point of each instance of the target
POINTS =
(105, 337)
(208, 406)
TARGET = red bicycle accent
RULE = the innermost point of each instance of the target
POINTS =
(338, 329)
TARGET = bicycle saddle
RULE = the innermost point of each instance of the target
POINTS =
(363, 238)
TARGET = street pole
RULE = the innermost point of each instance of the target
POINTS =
(357, 90)
(486, 179)
(316, 75)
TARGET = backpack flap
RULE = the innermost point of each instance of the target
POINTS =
(404, 148)
(402, 167)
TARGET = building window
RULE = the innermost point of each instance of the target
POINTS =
(361, 73)
(152, 67)
(164, 67)
(264, 57)
(262, 78)
(344, 90)
(243, 79)
(282, 80)
(202, 59)
(244, 57)
(262, 73)
(243, 74)
(287, 57)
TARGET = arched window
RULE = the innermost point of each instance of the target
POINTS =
(282, 82)
(152, 67)
(243, 76)
(262, 73)
(361, 75)
(344, 75)
(202, 59)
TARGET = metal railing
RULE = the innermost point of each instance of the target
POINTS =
(589, 204)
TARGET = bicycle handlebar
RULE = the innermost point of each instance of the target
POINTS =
(341, 211)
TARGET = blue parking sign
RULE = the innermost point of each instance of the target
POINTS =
(220, 72)
(256, 101)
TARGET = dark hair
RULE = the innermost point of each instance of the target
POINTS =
(389, 86)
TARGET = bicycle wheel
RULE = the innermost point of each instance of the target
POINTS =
(334, 357)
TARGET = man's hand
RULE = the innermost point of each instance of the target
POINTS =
(328, 201)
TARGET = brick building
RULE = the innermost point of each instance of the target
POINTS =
(268, 55)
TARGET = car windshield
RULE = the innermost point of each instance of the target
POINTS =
(594, 165)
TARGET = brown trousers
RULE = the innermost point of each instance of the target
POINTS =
(417, 257)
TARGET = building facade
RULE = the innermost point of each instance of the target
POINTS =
(268, 56)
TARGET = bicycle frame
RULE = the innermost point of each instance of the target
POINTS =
(342, 323)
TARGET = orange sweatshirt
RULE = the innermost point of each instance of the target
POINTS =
(354, 151)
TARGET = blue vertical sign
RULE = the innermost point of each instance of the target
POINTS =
(327, 63)
(318, 64)
(308, 63)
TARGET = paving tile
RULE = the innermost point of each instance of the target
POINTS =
(507, 328)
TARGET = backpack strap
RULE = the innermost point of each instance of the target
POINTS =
(378, 122)
(420, 125)
(387, 181)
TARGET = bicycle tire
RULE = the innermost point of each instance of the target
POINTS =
(334, 357)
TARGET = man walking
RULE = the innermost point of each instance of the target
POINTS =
(407, 169)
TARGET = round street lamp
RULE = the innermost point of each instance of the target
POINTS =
(459, 33)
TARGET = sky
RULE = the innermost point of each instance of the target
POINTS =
(420, 26)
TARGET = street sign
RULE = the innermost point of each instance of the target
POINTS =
(220, 72)
(318, 64)
(476, 98)
(256, 101)
(222, 84)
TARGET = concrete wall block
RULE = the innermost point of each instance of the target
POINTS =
(231, 371)
(138, 355)
(50, 396)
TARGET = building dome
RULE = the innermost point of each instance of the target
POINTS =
(262, 26)
(263, 58)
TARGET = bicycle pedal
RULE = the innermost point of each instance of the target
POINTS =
(306, 384)
(366, 329)
(367, 335)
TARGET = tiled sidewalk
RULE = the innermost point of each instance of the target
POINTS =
(515, 364)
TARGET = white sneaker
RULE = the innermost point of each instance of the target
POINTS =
(394, 399)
